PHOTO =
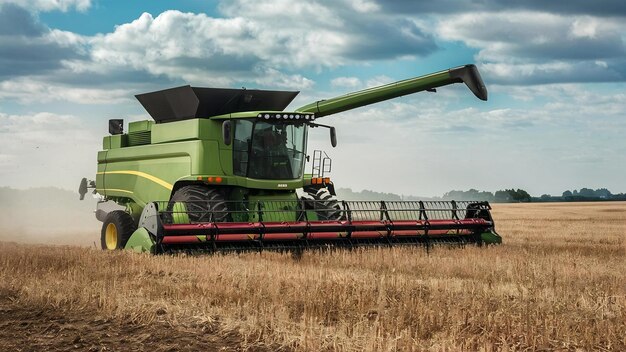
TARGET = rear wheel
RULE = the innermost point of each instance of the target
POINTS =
(199, 203)
(117, 228)
(326, 206)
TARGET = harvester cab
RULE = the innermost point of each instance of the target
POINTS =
(218, 169)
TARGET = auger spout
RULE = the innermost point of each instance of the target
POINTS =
(467, 74)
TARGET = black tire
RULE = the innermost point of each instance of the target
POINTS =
(325, 204)
(203, 204)
(117, 228)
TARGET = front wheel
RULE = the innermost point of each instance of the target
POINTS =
(196, 204)
(117, 228)
(325, 204)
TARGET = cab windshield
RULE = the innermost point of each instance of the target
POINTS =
(268, 150)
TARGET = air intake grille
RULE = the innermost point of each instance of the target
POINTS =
(139, 138)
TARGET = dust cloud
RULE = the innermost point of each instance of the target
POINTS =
(48, 216)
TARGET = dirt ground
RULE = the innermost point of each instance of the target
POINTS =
(26, 327)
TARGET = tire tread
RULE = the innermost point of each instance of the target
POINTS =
(125, 227)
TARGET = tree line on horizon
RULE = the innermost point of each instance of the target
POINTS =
(500, 196)
(584, 194)
(10, 197)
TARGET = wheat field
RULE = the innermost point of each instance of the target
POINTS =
(557, 283)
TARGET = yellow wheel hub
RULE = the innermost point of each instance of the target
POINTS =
(111, 236)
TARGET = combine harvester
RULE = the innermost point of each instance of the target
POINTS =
(219, 169)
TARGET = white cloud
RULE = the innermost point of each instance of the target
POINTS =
(538, 47)
(67, 39)
(594, 108)
(504, 70)
(268, 44)
(601, 63)
(555, 71)
(378, 81)
(51, 5)
(586, 27)
(29, 90)
(346, 82)
(274, 78)
(364, 6)
(511, 36)
(254, 38)
(198, 48)
(41, 127)
(291, 12)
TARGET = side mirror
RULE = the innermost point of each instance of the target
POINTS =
(82, 189)
(333, 132)
(226, 132)
(333, 137)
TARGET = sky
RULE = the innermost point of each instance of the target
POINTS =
(555, 72)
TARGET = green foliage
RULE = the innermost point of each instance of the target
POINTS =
(349, 194)
(507, 195)
(586, 192)
(519, 195)
(502, 196)
(600, 193)
(472, 194)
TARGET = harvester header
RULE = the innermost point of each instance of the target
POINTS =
(222, 169)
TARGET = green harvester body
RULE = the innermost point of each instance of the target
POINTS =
(236, 142)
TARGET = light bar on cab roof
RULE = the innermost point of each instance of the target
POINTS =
(286, 116)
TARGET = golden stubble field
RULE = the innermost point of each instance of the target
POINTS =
(558, 283)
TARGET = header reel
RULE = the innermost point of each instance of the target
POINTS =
(272, 225)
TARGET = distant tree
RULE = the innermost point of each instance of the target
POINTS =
(347, 193)
(575, 193)
(587, 192)
(512, 194)
(567, 194)
(545, 197)
(502, 196)
(603, 193)
(519, 195)
(485, 195)
(471, 194)
(454, 194)
(523, 196)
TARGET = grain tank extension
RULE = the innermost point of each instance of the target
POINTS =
(223, 169)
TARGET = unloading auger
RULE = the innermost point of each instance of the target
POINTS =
(218, 170)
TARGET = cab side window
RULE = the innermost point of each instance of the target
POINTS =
(243, 134)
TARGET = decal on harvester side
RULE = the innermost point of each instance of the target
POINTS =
(116, 190)
(141, 174)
